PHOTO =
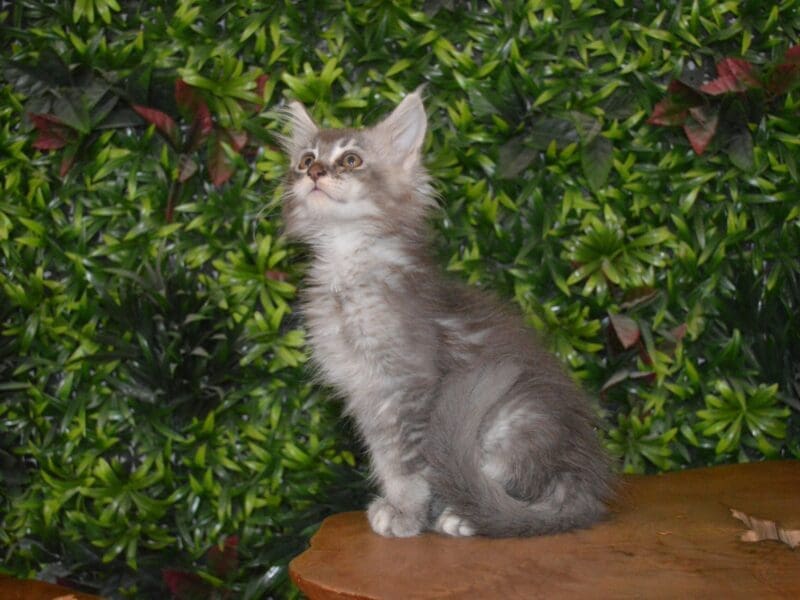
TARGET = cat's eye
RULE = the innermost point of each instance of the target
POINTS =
(306, 161)
(351, 160)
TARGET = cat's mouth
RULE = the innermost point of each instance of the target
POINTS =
(318, 192)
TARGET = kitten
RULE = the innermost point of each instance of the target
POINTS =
(472, 427)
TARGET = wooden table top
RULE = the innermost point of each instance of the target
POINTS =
(28, 589)
(667, 536)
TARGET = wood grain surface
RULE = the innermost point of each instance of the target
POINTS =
(28, 589)
(667, 536)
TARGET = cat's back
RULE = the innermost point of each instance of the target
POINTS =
(479, 326)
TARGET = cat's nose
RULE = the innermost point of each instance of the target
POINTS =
(316, 171)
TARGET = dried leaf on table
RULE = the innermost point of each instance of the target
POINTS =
(764, 529)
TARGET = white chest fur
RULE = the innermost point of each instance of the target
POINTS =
(352, 324)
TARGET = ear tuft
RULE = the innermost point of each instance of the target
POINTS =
(302, 125)
(404, 130)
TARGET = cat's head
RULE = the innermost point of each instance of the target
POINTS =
(371, 179)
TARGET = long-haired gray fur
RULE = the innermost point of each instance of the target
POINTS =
(472, 427)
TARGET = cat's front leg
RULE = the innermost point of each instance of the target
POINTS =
(402, 511)
(389, 521)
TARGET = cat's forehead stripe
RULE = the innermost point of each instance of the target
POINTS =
(343, 145)
(331, 152)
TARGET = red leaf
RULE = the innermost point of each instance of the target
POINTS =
(673, 109)
(48, 141)
(186, 96)
(723, 85)
(734, 75)
(203, 119)
(51, 133)
(161, 120)
(186, 167)
(70, 154)
(701, 127)
(192, 103)
(742, 70)
(666, 112)
(783, 77)
(237, 139)
(646, 358)
(169, 212)
(636, 296)
(625, 375)
(223, 562)
(261, 83)
(626, 330)
(787, 73)
(202, 127)
(220, 166)
(679, 332)
(185, 586)
(276, 275)
(615, 379)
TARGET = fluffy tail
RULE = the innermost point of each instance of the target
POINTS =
(569, 491)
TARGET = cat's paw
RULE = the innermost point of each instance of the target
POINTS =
(451, 524)
(388, 521)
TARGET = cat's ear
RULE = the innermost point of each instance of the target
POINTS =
(403, 131)
(302, 125)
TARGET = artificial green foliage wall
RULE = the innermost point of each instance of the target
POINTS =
(158, 430)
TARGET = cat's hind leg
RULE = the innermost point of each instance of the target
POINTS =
(448, 522)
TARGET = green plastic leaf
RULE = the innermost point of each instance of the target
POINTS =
(596, 159)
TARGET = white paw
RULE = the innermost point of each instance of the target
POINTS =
(451, 524)
(388, 521)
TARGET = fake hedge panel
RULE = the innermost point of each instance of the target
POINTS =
(159, 432)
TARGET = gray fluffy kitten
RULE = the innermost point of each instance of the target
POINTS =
(472, 427)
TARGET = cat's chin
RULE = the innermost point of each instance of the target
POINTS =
(320, 195)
